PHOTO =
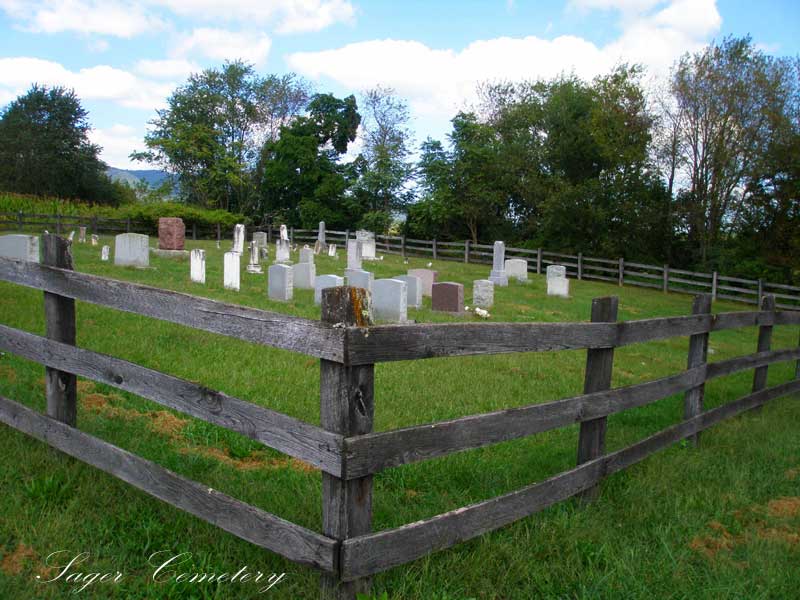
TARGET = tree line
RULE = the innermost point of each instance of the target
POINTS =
(701, 171)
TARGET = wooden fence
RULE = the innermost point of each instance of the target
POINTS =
(345, 448)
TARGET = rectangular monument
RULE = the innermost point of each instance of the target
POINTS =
(306, 254)
(104, 252)
(282, 251)
(448, 297)
(171, 233)
(354, 248)
(517, 268)
(280, 282)
(304, 276)
(367, 239)
(359, 278)
(557, 282)
(389, 300)
(428, 278)
(197, 266)
(260, 238)
(82, 235)
(483, 293)
(332, 250)
(231, 271)
(253, 266)
(132, 250)
(239, 236)
(20, 247)
(325, 281)
(414, 287)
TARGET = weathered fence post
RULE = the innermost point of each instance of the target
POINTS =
(128, 224)
(59, 315)
(19, 220)
(538, 261)
(346, 238)
(580, 265)
(94, 224)
(194, 230)
(434, 248)
(760, 291)
(403, 246)
(698, 356)
(621, 271)
(466, 251)
(665, 284)
(764, 343)
(347, 408)
(714, 283)
(599, 365)
(219, 234)
(58, 223)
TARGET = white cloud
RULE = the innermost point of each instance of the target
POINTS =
(439, 81)
(117, 142)
(221, 44)
(100, 82)
(167, 69)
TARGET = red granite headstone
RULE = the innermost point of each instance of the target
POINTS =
(448, 297)
(171, 233)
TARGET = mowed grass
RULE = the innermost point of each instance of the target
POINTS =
(721, 521)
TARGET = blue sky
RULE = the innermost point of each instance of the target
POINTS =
(124, 57)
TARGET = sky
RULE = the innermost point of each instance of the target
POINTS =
(124, 58)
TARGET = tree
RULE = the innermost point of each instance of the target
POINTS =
(45, 149)
(299, 175)
(211, 132)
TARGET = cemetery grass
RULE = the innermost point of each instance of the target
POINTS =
(721, 521)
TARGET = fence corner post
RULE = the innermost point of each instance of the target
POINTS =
(698, 356)
(347, 406)
(59, 314)
(764, 341)
(599, 366)
(621, 271)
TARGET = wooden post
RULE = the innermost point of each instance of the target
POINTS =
(291, 235)
(269, 234)
(194, 230)
(760, 291)
(59, 315)
(403, 246)
(347, 408)
(599, 365)
(346, 238)
(764, 343)
(19, 220)
(128, 224)
(621, 271)
(580, 265)
(665, 285)
(94, 224)
(698, 355)
(466, 251)
(219, 234)
(714, 276)
(538, 261)
(58, 223)
(434, 248)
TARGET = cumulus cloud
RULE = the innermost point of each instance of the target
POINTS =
(221, 44)
(117, 142)
(173, 69)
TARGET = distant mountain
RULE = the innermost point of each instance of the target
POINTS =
(153, 177)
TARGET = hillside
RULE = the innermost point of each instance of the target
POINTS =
(153, 177)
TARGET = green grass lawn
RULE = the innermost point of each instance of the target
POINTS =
(721, 521)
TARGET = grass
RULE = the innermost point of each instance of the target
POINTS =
(721, 521)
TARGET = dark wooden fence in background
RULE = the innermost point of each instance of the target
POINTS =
(345, 448)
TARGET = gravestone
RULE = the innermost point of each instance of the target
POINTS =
(306, 255)
(82, 235)
(20, 247)
(498, 275)
(332, 250)
(414, 287)
(284, 233)
(197, 266)
(557, 282)
(239, 236)
(132, 250)
(260, 238)
(517, 268)
(104, 252)
(389, 300)
(264, 253)
(317, 247)
(321, 233)
(554, 271)
(359, 278)
(367, 239)
(171, 233)
(305, 275)
(71, 235)
(231, 271)
(448, 297)
(95, 239)
(280, 282)
(282, 251)
(427, 277)
(354, 254)
(325, 281)
(253, 266)
(483, 293)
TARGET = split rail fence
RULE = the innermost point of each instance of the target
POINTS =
(344, 447)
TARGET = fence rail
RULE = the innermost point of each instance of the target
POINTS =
(344, 447)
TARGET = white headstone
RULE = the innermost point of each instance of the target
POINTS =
(517, 268)
(332, 250)
(132, 250)
(20, 247)
(82, 235)
(104, 252)
(483, 293)
(359, 278)
(253, 266)
(280, 282)
(321, 233)
(325, 281)
(353, 254)
(231, 272)
(498, 275)
(284, 233)
(367, 239)
(238, 238)
(414, 287)
(556, 271)
(306, 254)
(305, 274)
(260, 238)
(317, 247)
(95, 239)
(197, 266)
(71, 235)
(389, 297)
(282, 251)
(558, 286)
(427, 277)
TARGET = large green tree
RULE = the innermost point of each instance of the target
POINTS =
(45, 149)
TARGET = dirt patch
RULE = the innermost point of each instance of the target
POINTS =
(85, 387)
(255, 460)
(792, 474)
(166, 423)
(14, 562)
(786, 507)
(8, 373)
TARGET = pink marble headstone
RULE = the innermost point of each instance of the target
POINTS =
(171, 233)
(448, 297)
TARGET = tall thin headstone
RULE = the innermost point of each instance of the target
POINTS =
(231, 271)
(197, 265)
(253, 266)
(414, 288)
(104, 252)
(82, 235)
(238, 238)
(284, 233)
(282, 251)
(498, 275)
(332, 250)
(353, 254)
(321, 233)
